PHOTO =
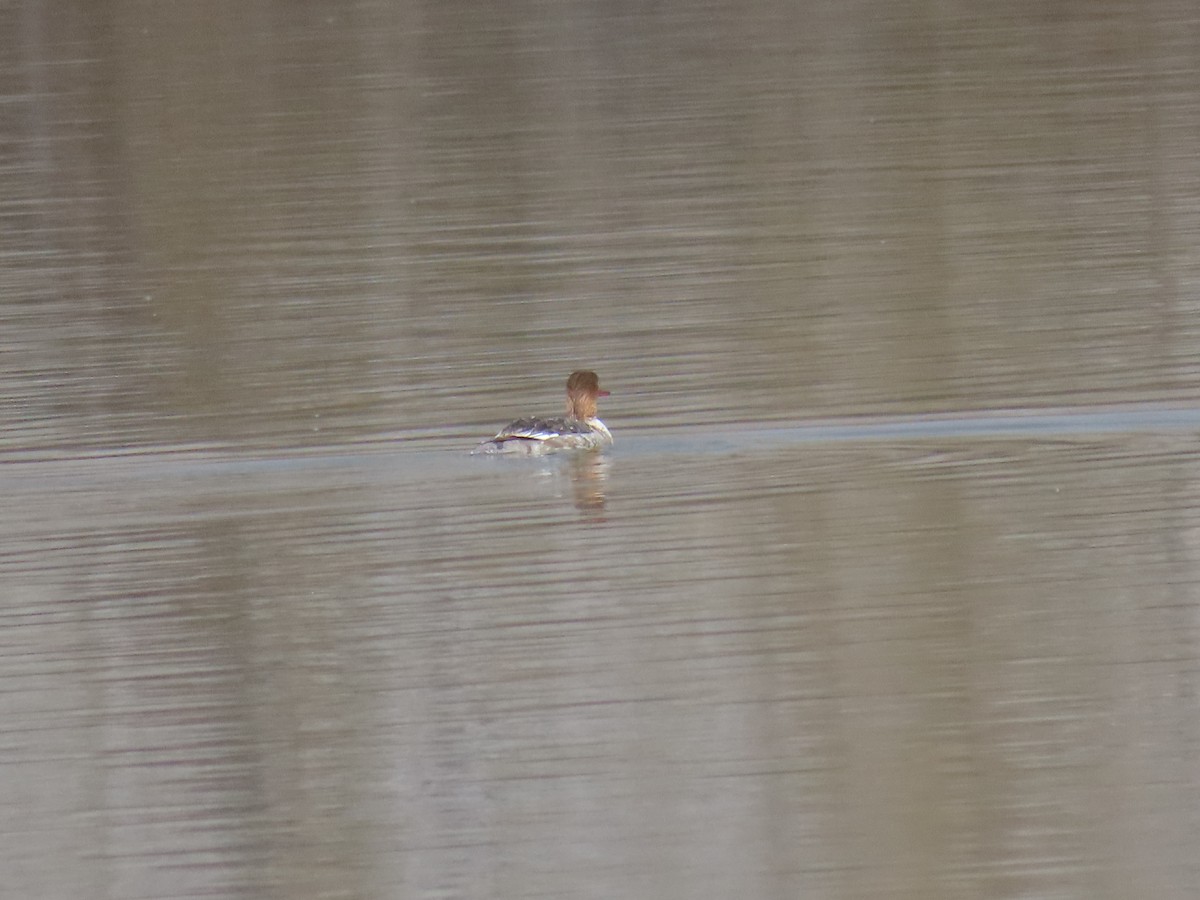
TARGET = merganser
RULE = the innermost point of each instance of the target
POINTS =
(579, 429)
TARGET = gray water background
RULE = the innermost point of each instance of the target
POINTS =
(886, 589)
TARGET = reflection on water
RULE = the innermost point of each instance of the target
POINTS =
(884, 589)
(589, 472)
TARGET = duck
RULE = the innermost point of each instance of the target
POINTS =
(579, 429)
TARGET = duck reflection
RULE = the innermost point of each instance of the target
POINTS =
(588, 473)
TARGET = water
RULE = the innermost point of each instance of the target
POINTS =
(885, 590)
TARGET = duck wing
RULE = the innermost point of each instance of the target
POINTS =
(538, 429)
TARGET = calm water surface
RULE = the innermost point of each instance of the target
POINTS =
(886, 589)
